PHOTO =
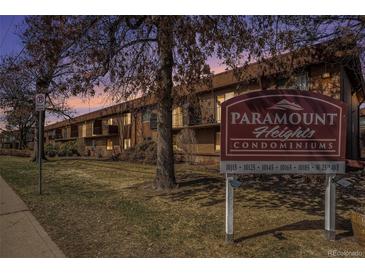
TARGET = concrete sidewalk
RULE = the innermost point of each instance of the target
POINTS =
(21, 236)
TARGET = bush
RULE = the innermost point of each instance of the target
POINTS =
(99, 153)
(51, 153)
(150, 153)
(69, 149)
(64, 149)
(186, 145)
(50, 150)
(145, 152)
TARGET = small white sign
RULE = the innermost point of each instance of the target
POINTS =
(40, 102)
(283, 167)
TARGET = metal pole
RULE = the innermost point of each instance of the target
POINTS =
(330, 208)
(39, 153)
(229, 211)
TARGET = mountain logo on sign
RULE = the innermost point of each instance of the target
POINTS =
(286, 105)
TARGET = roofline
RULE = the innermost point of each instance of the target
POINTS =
(122, 107)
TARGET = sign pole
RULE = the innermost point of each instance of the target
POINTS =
(229, 211)
(330, 208)
(40, 106)
(40, 141)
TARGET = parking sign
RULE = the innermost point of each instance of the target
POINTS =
(40, 102)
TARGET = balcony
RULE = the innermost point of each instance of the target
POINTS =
(112, 130)
(58, 135)
(197, 118)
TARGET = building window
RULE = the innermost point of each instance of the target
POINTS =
(146, 116)
(126, 143)
(153, 121)
(177, 117)
(74, 131)
(109, 144)
(301, 81)
(58, 133)
(64, 133)
(219, 100)
(126, 118)
(110, 121)
(98, 127)
(84, 130)
(217, 145)
(298, 81)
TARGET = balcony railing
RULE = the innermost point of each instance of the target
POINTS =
(206, 116)
(58, 136)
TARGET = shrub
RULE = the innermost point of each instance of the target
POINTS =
(68, 149)
(99, 153)
(186, 144)
(50, 150)
(64, 149)
(145, 152)
(61, 153)
(51, 153)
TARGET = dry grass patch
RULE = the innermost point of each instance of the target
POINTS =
(108, 209)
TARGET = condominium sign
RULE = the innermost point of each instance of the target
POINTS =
(283, 132)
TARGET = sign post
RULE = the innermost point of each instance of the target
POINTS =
(40, 105)
(330, 209)
(283, 132)
(229, 210)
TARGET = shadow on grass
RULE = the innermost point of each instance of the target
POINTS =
(292, 192)
(295, 192)
(300, 226)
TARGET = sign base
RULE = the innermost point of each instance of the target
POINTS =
(229, 239)
(330, 235)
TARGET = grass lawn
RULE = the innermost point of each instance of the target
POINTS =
(108, 209)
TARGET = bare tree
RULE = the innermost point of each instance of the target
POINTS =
(166, 56)
(48, 41)
(16, 100)
(149, 55)
(277, 35)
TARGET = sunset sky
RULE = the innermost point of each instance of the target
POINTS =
(10, 44)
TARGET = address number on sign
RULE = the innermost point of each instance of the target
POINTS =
(283, 167)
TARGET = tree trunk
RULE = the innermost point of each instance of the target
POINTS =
(22, 140)
(35, 154)
(165, 171)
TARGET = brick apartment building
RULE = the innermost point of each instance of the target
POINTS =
(119, 127)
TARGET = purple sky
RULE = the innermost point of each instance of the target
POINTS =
(10, 44)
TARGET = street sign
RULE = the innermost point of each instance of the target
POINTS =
(40, 102)
(283, 132)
